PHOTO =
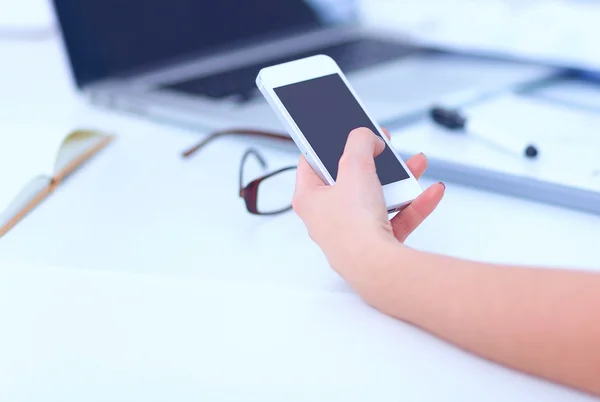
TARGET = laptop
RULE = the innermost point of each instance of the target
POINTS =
(194, 62)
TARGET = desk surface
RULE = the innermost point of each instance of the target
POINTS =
(139, 209)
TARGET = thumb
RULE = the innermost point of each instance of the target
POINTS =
(359, 154)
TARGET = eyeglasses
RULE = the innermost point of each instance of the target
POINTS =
(269, 194)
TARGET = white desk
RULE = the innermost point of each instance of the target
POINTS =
(138, 208)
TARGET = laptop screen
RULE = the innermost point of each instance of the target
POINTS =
(107, 38)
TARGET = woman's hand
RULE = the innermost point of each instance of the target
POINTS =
(539, 321)
(349, 220)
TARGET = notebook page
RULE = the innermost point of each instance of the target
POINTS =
(75, 145)
(27, 151)
(24, 197)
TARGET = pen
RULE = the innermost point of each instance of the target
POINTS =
(455, 121)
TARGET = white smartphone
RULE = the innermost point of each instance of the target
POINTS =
(319, 109)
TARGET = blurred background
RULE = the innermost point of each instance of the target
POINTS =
(554, 30)
(192, 64)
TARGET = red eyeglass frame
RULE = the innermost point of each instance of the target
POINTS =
(249, 192)
(236, 131)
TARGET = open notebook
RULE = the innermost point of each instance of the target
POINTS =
(34, 161)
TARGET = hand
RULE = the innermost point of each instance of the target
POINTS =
(349, 220)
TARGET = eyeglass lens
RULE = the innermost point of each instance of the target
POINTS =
(275, 193)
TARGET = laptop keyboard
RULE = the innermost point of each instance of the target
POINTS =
(240, 84)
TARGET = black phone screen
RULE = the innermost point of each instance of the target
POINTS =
(326, 112)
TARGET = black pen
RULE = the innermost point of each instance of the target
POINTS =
(455, 121)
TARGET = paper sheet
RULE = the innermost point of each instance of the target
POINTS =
(573, 93)
(568, 140)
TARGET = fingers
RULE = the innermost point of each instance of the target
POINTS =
(359, 154)
(364, 144)
(387, 133)
(417, 165)
(306, 178)
(368, 146)
(413, 216)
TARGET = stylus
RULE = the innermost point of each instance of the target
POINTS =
(455, 121)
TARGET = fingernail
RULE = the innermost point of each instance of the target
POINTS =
(425, 156)
(443, 185)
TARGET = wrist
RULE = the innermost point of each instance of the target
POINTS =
(389, 281)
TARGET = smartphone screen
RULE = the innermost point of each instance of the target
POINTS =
(326, 112)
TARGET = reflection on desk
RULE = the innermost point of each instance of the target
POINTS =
(95, 336)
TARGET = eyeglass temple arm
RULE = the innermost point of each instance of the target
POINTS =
(258, 156)
(236, 131)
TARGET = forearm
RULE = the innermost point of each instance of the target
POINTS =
(543, 322)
